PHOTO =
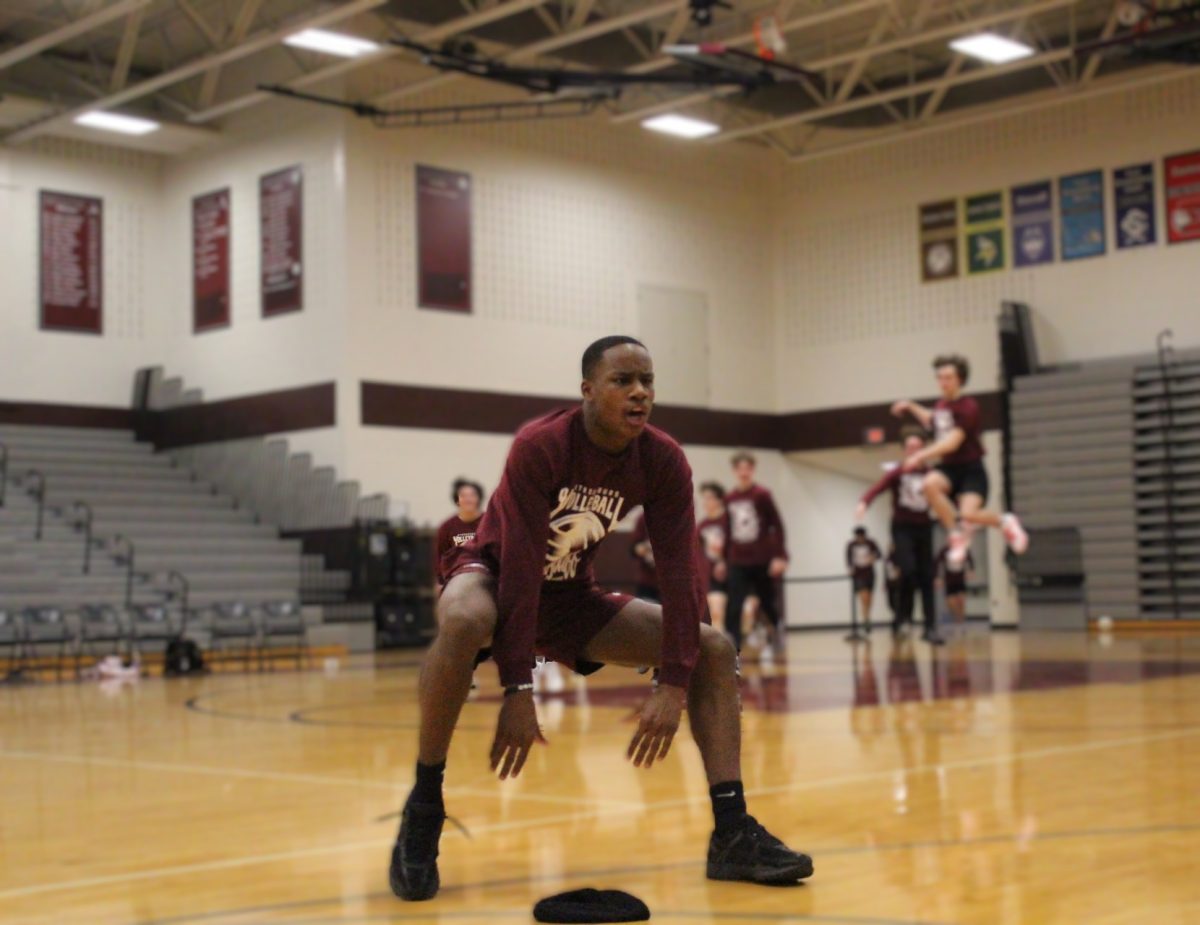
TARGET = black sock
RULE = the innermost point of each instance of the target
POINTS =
(729, 804)
(428, 788)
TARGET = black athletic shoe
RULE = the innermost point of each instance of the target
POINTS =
(753, 854)
(933, 638)
(413, 873)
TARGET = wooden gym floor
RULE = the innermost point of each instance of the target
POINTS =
(1004, 779)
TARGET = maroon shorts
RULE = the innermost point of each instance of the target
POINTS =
(569, 616)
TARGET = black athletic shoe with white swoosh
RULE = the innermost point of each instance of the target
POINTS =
(748, 852)
(413, 873)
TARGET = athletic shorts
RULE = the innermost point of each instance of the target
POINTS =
(718, 587)
(956, 583)
(864, 581)
(569, 616)
(966, 479)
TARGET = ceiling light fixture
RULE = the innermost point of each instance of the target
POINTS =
(680, 126)
(115, 122)
(992, 48)
(332, 43)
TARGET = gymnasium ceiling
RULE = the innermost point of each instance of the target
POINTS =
(884, 66)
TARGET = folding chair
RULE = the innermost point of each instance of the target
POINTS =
(231, 623)
(46, 626)
(282, 620)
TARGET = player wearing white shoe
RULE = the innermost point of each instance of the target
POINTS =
(957, 452)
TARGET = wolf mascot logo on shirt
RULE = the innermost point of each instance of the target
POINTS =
(582, 518)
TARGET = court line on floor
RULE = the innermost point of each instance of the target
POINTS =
(564, 876)
(289, 777)
(598, 812)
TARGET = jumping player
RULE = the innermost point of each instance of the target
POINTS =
(711, 532)
(957, 452)
(755, 548)
(912, 537)
(862, 553)
(525, 585)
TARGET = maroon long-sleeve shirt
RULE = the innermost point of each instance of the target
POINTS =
(909, 504)
(453, 533)
(559, 497)
(963, 413)
(756, 534)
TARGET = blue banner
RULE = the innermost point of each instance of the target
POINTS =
(1133, 197)
(1081, 204)
(1032, 224)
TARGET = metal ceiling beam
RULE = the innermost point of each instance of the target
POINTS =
(850, 81)
(129, 39)
(199, 66)
(428, 36)
(210, 34)
(555, 43)
(579, 15)
(898, 93)
(951, 31)
(691, 99)
(1094, 59)
(908, 41)
(241, 27)
(1046, 99)
(72, 30)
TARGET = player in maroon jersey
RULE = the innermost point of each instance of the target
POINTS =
(954, 584)
(957, 452)
(525, 584)
(459, 529)
(711, 531)
(912, 537)
(862, 553)
(755, 548)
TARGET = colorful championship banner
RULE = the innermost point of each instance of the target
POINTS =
(71, 258)
(939, 240)
(1032, 224)
(1133, 205)
(984, 226)
(1182, 182)
(1081, 207)
(443, 239)
(281, 250)
(210, 261)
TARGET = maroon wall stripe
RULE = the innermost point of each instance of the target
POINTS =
(391, 405)
(287, 410)
(40, 414)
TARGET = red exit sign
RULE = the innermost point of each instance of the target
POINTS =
(875, 436)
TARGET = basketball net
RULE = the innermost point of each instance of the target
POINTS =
(768, 37)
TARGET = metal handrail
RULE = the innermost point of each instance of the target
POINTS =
(131, 551)
(3, 472)
(85, 524)
(1166, 359)
(174, 576)
(40, 494)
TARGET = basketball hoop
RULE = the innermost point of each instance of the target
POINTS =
(768, 37)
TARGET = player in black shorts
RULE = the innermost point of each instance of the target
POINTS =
(957, 452)
(862, 553)
(954, 584)
(711, 531)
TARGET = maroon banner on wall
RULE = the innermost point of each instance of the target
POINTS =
(1183, 197)
(210, 261)
(72, 262)
(443, 239)
(281, 222)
